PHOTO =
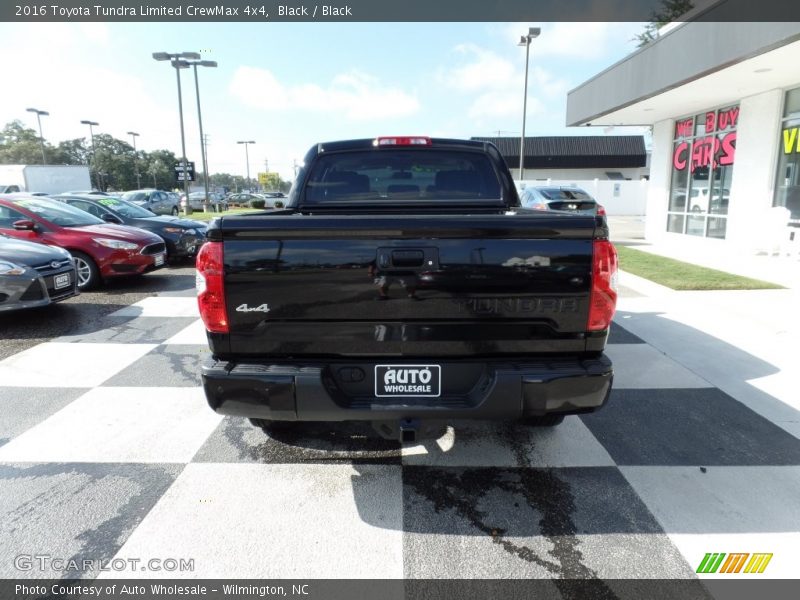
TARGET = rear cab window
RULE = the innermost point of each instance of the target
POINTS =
(397, 175)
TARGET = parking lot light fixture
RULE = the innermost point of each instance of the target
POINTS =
(92, 124)
(195, 64)
(39, 114)
(134, 135)
(525, 40)
(178, 64)
(247, 158)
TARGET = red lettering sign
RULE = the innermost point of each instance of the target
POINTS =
(679, 158)
(684, 128)
(711, 122)
(728, 147)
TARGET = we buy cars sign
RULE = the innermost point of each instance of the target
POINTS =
(189, 175)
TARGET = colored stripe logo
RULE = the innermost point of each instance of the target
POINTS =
(719, 562)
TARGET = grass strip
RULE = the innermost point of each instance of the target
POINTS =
(679, 275)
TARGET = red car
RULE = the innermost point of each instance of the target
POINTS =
(100, 250)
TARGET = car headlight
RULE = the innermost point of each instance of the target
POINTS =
(7, 268)
(175, 230)
(116, 244)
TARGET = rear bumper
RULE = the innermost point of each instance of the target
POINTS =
(309, 392)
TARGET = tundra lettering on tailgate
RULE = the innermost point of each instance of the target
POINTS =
(492, 306)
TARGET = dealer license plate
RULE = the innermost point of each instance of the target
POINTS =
(408, 380)
(159, 259)
(61, 281)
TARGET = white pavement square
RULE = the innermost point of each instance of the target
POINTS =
(277, 521)
(194, 334)
(726, 509)
(478, 444)
(156, 425)
(161, 306)
(53, 364)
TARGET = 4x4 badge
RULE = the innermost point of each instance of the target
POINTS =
(244, 308)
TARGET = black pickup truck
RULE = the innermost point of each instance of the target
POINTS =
(404, 285)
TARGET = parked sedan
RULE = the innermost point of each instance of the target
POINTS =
(570, 199)
(33, 275)
(196, 200)
(99, 250)
(156, 201)
(182, 236)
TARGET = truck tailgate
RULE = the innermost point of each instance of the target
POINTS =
(428, 285)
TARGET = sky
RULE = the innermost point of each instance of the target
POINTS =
(288, 86)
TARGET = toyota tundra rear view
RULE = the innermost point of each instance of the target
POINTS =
(404, 285)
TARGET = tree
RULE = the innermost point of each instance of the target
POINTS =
(670, 11)
(19, 145)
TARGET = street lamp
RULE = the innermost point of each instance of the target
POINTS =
(134, 135)
(525, 40)
(247, 158)
(179, 64)
(195, 64)
(39, 114)
(94, 156)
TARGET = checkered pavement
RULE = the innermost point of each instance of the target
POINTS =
(108, 449)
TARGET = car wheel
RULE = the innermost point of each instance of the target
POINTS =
(87, 272)
(175, 211)
(550, 420)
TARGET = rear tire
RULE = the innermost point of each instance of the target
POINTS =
(175, 211)
(549, 420)
(86, 270)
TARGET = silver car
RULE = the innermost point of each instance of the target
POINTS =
(161, 203)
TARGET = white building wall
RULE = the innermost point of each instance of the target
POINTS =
(660, 173)
(757, 145)
(579, 174)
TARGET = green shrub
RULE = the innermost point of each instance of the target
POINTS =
(258, 203)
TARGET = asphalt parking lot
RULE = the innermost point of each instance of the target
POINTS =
(24, 329)
(108, 449)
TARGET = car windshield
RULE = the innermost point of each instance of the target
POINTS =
(134, 196)
(57, 213)
(126, 209)
(422, 175)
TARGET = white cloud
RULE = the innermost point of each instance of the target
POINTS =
(357, 95)
(498, 83)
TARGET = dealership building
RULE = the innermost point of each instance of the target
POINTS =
(723, 101)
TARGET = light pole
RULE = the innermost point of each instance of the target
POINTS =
(134, 135)
(247, 158)
(39, 114)
(94, 156)
(525, 40)
(178, 64)
(195, 64)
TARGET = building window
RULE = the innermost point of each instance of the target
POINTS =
(787, 180)
(703, 152)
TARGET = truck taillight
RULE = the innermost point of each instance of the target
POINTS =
(210, 283)
(603, 298)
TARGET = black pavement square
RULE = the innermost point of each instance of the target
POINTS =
(173, 365)
(22, 408)
(132, 330)
(73, 511)
(528, 522)
(235, 440)
(620, 335)
(673, 427)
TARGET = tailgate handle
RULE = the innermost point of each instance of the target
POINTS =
(408, 258)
